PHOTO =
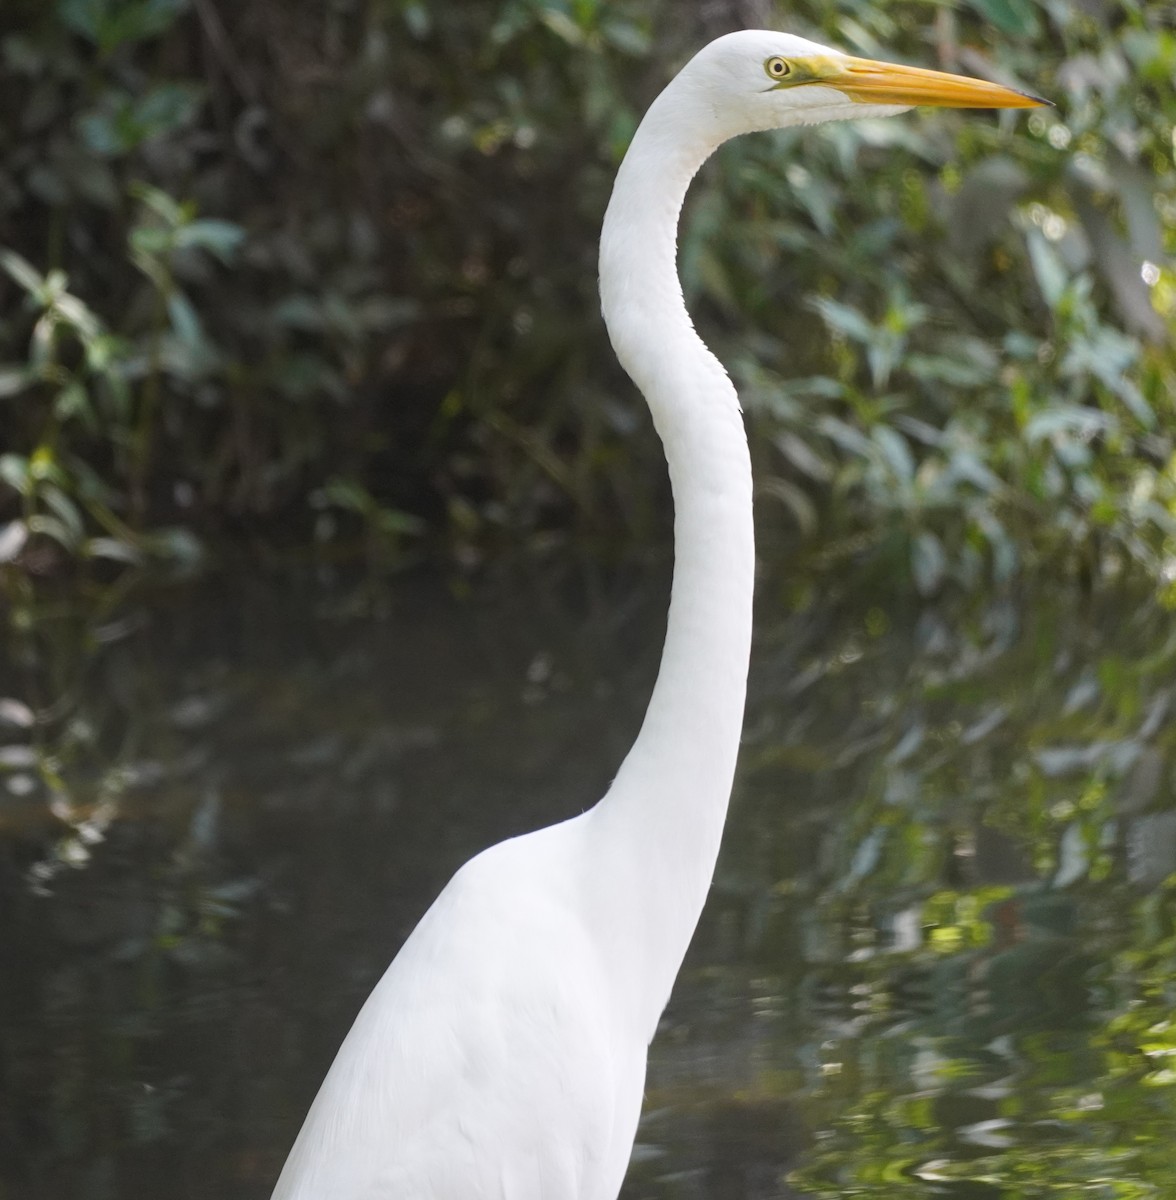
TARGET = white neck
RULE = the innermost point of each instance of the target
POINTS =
(657, 831)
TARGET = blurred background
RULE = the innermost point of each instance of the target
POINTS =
(334, 546)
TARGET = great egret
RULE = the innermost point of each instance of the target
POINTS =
(502, 1055)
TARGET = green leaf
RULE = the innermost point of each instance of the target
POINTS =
(396, 521)
(160, 203)
(165, 108)
(222, 238)
(54, 528)
(22, 272)
(1017, 18)
(936, 368)
(101, 134)
(184, 320)
(627, 36)
(896, 451)
(967, 465)
(562, 26)
(14, 471)
(846, 436)
(1072, 419)
(928, 563)
(346, 494)
(13, 380)
(152, 241)
(795, 499)
(109, 23)
(66, 511)
(44, 467)
(79, 315)
(13, 537)
(122, 121)
(844, 319)
(298, 311)
(180, 546)
(803, 457)
(114, 550)
(1047, 268)
(73, 403)
(83, 16)
(418, 19)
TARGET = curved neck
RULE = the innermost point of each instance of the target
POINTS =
(659, 827)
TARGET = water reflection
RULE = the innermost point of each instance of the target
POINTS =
(939, 957)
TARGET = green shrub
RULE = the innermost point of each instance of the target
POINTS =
(335, 264)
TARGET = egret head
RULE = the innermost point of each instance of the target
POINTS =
(757, 79)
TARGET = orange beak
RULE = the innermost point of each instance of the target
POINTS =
(870, 82)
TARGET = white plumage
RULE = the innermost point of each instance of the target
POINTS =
(502, 1055)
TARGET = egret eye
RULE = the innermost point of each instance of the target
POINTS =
(778, 68)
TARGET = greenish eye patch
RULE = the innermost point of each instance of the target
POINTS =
(791, 72)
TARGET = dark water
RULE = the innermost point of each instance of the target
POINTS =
(939, 960)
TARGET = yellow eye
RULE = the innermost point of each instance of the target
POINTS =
(777, 68)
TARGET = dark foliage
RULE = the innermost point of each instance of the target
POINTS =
(333, 265)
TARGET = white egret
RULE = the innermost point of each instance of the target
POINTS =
(502, 1055)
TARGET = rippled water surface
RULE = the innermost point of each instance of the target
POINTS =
(939, 958)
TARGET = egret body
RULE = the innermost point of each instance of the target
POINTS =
(502, 1055)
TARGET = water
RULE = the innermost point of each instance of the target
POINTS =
(939, 958)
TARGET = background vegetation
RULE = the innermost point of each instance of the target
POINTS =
(332, 266)
(322, 275)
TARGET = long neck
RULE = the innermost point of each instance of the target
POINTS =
(659, 827)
